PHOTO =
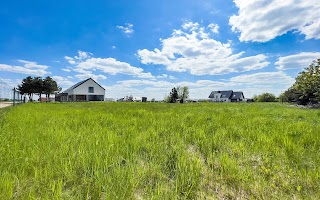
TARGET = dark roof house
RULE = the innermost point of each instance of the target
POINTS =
(226, 96)
(86, 90)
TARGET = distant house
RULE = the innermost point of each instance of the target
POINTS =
(226, 96)
(87, 90)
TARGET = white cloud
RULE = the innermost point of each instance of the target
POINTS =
(194, 51)
(263, 78)
(127, 28)
(264, 20)
(311, 30)
(190, 26)
(155, 57)
(6, 85)
(83, 55)
(66, 70)
(297, 61)
(258, 83)
(250, 84)
(27, 67)
(87, 65)
(90, 75)
(70, 60)
(214, 28)
(158, 89)
(62, 81)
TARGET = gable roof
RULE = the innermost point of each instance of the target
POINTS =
(224, 94)
(237, 95)
(80, 83)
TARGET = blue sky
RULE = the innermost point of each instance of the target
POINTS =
(144, 48)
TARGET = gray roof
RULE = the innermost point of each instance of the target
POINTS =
(224, 94)
(80, 83)
(237, 95)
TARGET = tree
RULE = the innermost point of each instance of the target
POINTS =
(173, 95)
(308, 83)
(50, 87)
(265, 97)
(179, 93)
(183, 93)
(37, 85)
(25, 87)
(306, 89)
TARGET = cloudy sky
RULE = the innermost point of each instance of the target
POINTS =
(144, 48)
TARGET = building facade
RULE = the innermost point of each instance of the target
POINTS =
(87, 90)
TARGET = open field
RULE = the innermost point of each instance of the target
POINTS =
(159, 151)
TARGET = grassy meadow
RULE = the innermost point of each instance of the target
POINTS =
(159, 151)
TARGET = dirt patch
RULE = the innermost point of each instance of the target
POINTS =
(6, 104)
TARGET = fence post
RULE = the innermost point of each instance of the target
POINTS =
(14, 96)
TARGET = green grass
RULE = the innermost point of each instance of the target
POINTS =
(159, 151)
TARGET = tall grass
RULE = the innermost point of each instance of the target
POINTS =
(159, 151)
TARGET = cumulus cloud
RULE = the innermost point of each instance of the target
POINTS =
(63, 81)
(86, 65)
(263, 20)
(70, 60)
(311, 30)
(214, 28)
(190, 26)
(90, 75)
(263, 78)
(192, 50)
(297, 61)
(127, 28)
(26, 67)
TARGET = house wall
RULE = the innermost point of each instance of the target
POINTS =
(225, 99)
(83, 89)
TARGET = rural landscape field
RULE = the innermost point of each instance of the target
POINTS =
(159, 151)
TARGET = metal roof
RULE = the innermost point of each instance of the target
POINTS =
(237, 95)
(80, 83)
(224, 94)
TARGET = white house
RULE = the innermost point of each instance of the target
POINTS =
(226, 96)
(87, 90)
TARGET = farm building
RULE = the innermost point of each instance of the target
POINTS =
(226, 96)
(87, 90)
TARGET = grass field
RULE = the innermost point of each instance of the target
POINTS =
(159, 151)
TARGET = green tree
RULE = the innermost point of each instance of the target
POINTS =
(265, 97)
(179, 93)
(183, 93)
(50, 86)
(308, 84)
(26, 87)
(306, 89)
(37, 85)
(173, 95)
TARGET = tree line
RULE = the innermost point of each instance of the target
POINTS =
(37, 85)
(306, 89)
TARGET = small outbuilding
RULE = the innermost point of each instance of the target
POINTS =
(87, 90)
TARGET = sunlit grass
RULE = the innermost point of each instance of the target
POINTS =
(159, 151)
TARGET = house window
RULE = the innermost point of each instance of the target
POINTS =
(91, 90)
